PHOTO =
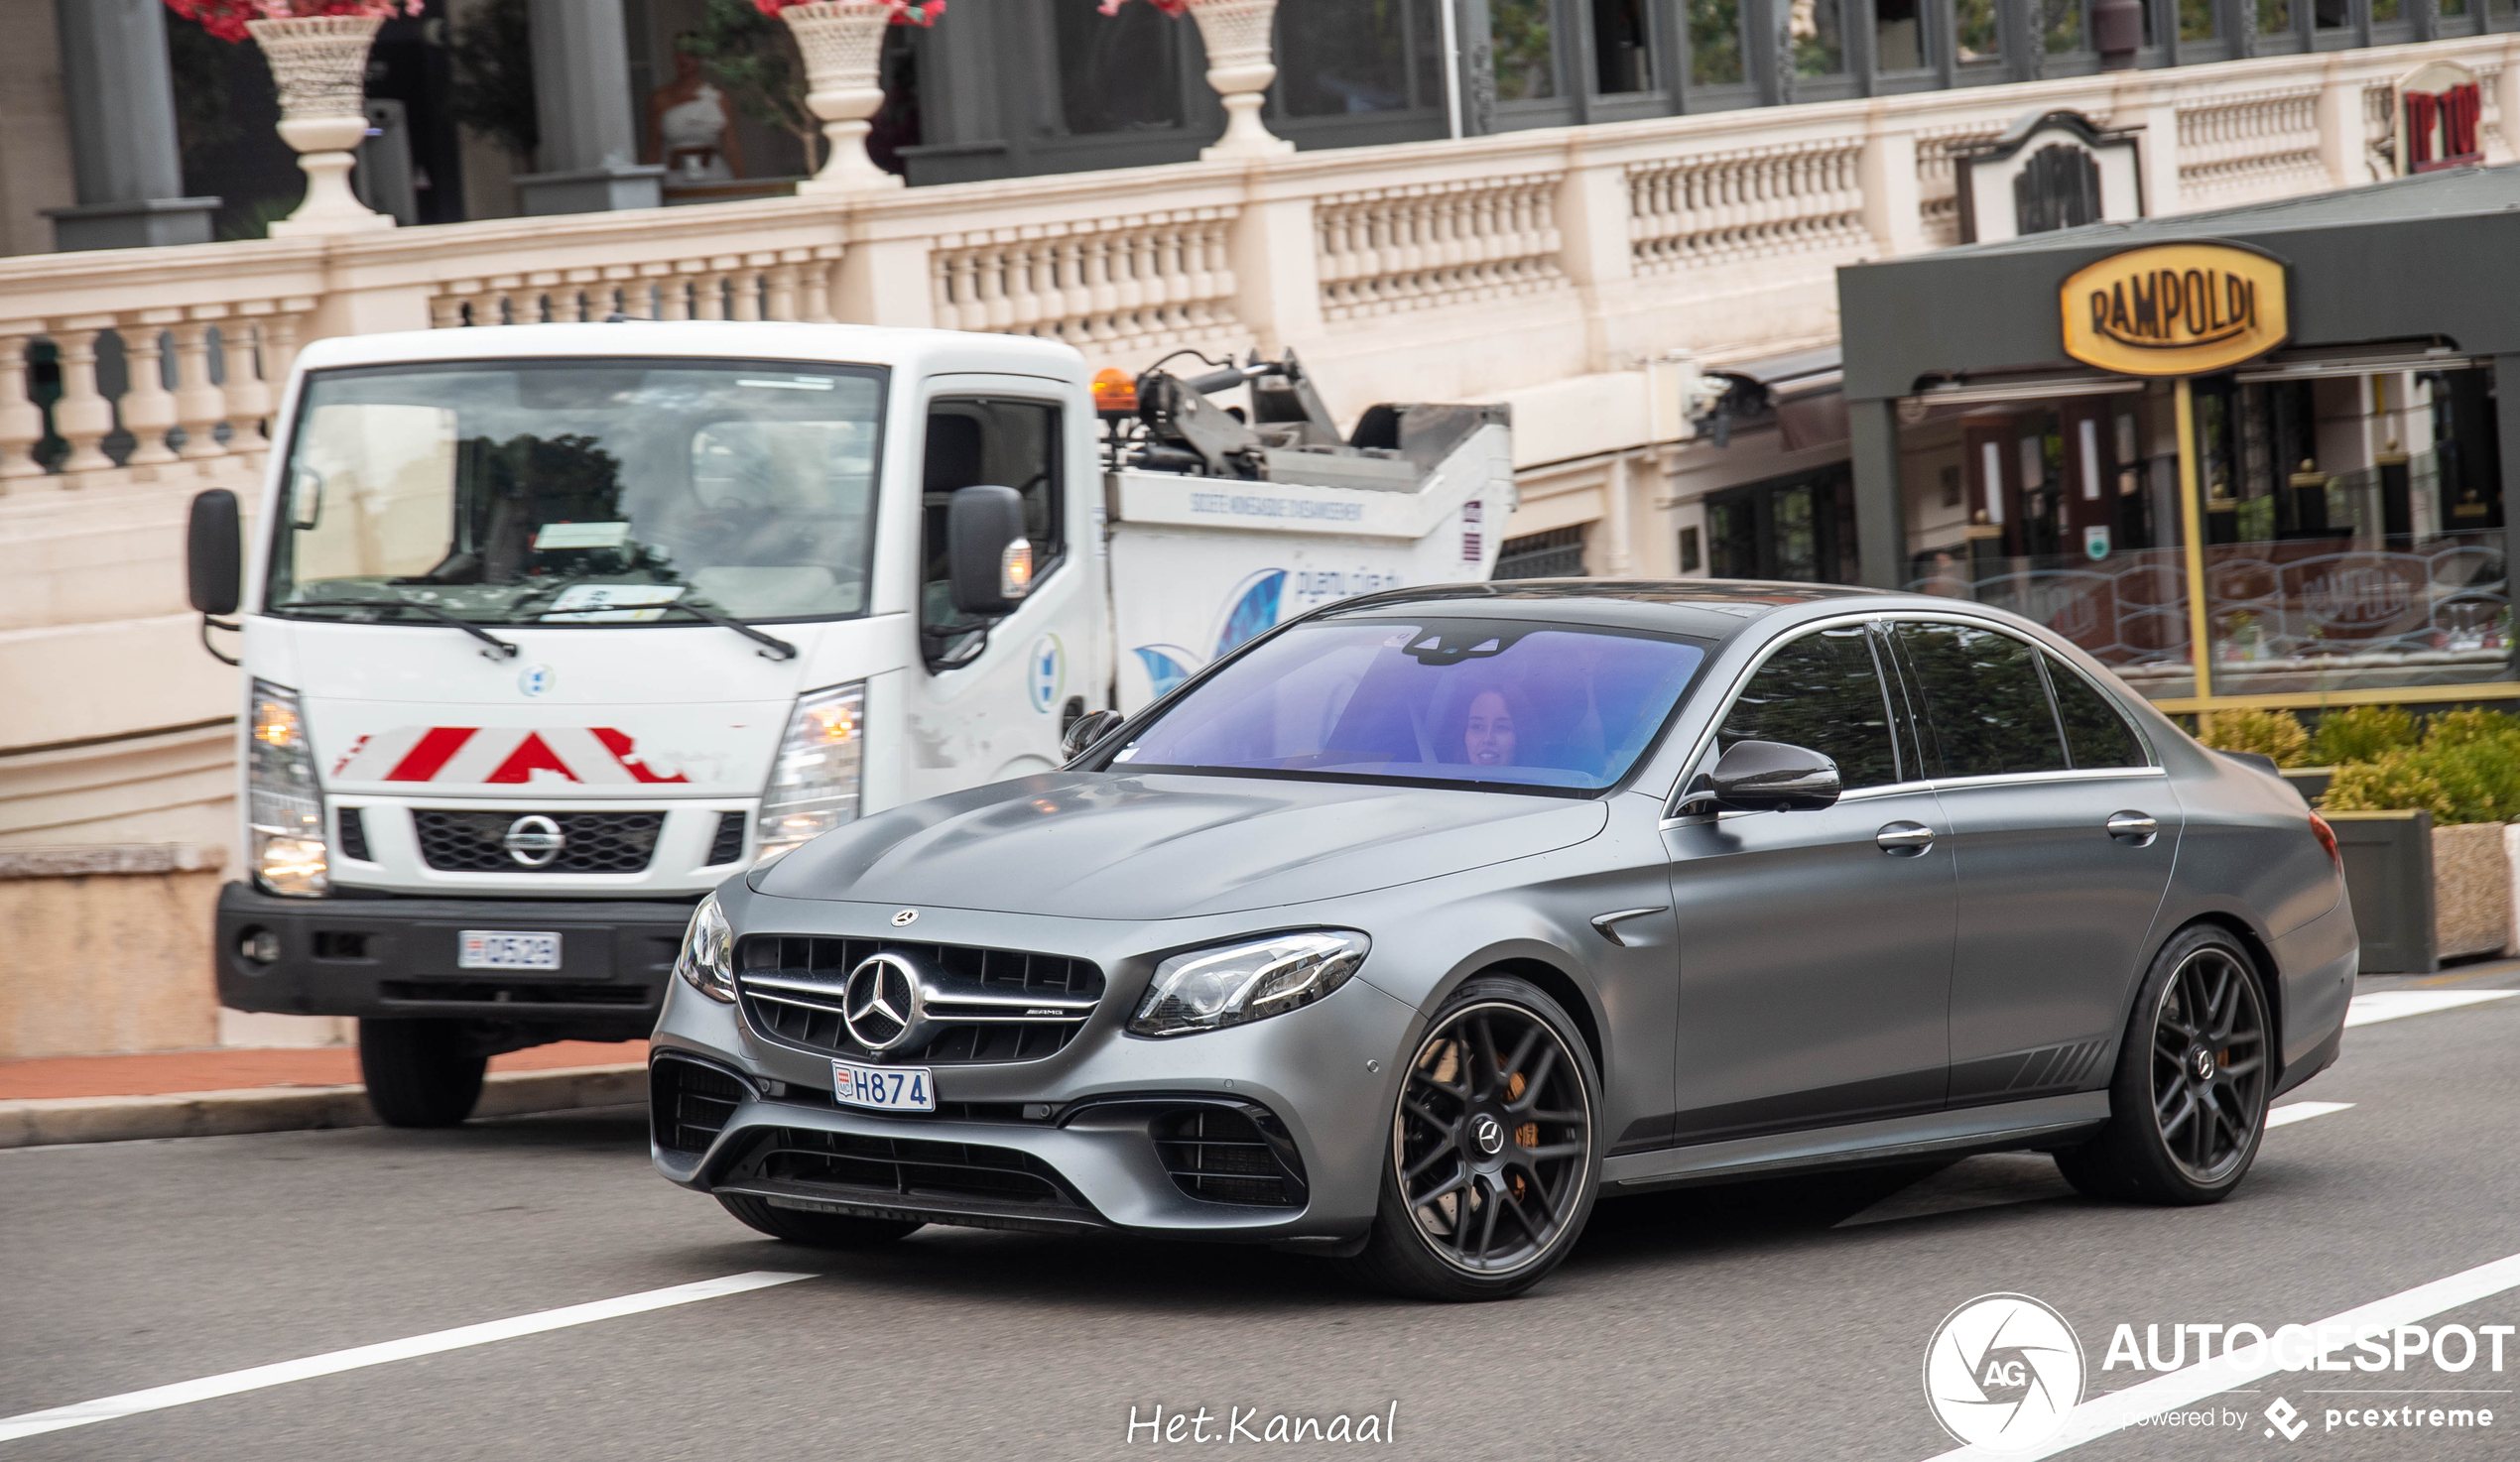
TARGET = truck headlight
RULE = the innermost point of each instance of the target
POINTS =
(707, 959)
(813, 787)
(1210, 989)
(284, 806)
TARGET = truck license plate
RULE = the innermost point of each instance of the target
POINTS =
(506, 949)
(885, 1088)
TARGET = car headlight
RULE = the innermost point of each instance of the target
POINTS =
(813, 787)
(284, 806)
(1210, 989)
(707, 959)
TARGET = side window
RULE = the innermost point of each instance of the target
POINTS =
(972, 442)
(1821, 691)
(1985, 698)
(2096, 732)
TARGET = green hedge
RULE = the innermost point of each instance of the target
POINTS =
(2465, 768)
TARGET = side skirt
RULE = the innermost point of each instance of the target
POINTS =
(2055, 1121)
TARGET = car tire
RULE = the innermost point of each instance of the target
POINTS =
(2194, 1075)
(815, 1230)
(1471, 1152)
(419, 1073)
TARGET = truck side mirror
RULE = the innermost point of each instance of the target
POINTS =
(1766, 777)
(213, 552)
(988, 560)
(1086, 731)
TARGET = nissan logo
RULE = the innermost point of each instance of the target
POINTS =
(883, 1003)
(534, 840)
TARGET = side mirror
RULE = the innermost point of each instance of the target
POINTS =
(1767, 777)
(1086, 731)
(213, 552)
(988, 560)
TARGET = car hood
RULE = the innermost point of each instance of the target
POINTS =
(1104, 845)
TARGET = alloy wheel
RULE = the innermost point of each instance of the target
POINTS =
(2208, 1064)
(1493, 1140)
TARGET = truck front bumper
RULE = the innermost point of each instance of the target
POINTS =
(397, 959)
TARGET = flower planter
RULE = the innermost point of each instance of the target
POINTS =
(843, 46)
(2424, 894)
(1240, 65)
(2471, 890)
(319, 65)
(2388, 857)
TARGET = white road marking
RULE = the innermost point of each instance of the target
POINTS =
(2292, 1112)
(185, 1393)
(2395, 1005)
(2104, 1416)
(2000, 1180)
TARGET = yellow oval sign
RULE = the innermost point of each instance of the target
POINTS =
(2175, 309)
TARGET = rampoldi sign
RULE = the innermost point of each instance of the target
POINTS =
(2175, 309)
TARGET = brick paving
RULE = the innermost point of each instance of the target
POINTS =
(160, 1073)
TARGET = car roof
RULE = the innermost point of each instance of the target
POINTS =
(1712, 609)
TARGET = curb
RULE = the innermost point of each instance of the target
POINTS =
(44, 1121)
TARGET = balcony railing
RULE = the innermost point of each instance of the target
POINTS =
(1442, 270)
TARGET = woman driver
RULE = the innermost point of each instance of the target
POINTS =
(1488, 737)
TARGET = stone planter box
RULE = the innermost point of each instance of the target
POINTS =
(2471, 890)
(2424, 894)
(2310, 782)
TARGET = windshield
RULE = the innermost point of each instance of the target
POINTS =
(561, 492)
(1457, 701)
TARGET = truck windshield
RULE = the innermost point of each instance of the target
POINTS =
(580, 492)
(1509, 704)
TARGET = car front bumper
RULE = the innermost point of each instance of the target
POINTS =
(395, 958)
(1080, 1139)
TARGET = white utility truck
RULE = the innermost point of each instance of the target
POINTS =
(547, 630)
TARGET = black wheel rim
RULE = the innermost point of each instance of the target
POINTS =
(1493, 1141)
(2209, 1065)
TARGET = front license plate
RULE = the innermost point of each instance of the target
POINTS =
(885, 1088)
(504, 949)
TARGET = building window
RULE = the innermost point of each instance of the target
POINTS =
(2333, 15)
(1689, 557)
(2061, 23)
(1349, 58)
(2275, 17)
(1556, 554)
(1525, 53)
(1799, 528)
(1817, 38)
(1622, 47)
(2202, 20)
(1119, 72)
(1715, 42)
(1898, 36)
(1978, 30)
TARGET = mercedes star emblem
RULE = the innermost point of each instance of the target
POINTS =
(906, 915)
(534, 840)
(1489, 1135)
(882, 1002)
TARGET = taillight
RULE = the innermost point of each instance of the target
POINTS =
(2326, 839)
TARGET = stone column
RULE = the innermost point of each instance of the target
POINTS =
(120, 98)
(582, 103)
(1881, 513)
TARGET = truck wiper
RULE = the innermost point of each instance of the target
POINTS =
(499, 648)
(777, 649)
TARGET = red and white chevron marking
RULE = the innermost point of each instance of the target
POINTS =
(495, 755)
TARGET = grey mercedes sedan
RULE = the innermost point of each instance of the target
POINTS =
(1413, 928)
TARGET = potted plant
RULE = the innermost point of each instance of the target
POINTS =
(842, 42)
(1240, 65)
(2432, 823)
(317, 49)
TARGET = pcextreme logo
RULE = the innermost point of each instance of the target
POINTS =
(2003, 1372)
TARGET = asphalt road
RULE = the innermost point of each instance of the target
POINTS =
(1745, 1322)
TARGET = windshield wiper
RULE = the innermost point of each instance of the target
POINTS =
(499, 648)
(776, 648)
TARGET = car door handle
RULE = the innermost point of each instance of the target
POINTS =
(2138, 828)
(1904, 839)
